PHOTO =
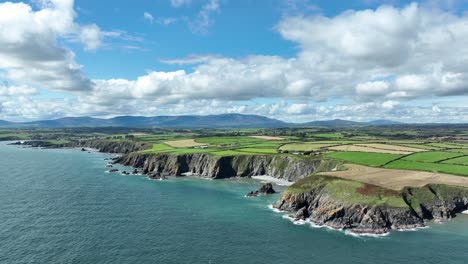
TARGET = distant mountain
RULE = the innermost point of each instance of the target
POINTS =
(189, 121)
(4, 123)
(332, 123)
(383, 122)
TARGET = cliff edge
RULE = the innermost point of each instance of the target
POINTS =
(364, 208)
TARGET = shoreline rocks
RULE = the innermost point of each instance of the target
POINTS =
(265, 189)
(432, 202)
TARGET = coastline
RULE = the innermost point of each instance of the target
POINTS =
(367, 231)
(266, 179)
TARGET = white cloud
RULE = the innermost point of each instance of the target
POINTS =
(29, 53)
(179, 3)
(91, 36)
(12, 91)
(376, 88)
(204, 20)
(375, 59)
(148, 17)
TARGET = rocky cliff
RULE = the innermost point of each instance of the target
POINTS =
(103, 145)
(363, 208)
(218, 167)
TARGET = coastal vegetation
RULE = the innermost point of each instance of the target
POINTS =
(430, 148)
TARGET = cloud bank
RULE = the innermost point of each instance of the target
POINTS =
(375, 61)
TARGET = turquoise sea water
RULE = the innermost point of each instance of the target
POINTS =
(59, 206)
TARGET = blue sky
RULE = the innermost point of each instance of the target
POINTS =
(296, 60)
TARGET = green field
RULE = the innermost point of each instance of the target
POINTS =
(461, 161)
(328, 135)
(363, 158)
(349, 192)
(230, 141)
(447, 145)
(431, 156)
(431, 167)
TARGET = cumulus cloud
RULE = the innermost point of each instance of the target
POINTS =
(91, 36)
(375, 59)
(12, 91)
(29, 53)
(421, 49)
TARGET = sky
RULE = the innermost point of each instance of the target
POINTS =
(294, 60)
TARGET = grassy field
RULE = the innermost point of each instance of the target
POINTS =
(328, 135)
(431, 156)
(396, 179)
(349, 192)
(460, 161)
(370, 159)
(432, 167)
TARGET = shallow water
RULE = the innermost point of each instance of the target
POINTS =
(59, 206)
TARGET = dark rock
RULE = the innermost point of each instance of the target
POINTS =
(125, 173)
(109, 166)
(265, 189)
(114, 170)
(154, 176)
(83, 149)
(301, 214)
(135, 171)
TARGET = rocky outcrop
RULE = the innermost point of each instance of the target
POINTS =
(109, 146)
(265, 189)
(102, 145)
(321, 207)
(205, 165)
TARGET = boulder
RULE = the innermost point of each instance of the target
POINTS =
(265, 189)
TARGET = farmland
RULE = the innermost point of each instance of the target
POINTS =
(430, 149)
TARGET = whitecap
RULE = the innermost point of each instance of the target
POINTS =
(276, 210)
(350, 233)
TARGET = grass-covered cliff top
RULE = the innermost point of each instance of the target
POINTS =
(354, 192)
(348, 192)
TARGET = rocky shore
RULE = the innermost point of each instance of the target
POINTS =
(375, 212)
(322, 200)
(215, 167)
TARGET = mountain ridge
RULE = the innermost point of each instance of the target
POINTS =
(187, 121)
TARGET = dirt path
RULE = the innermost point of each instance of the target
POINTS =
(396, 179)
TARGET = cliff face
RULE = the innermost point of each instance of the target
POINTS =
(417, 205)
(109, 146)
(205, 165)
(106, 146)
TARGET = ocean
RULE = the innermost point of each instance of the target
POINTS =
(60, 206)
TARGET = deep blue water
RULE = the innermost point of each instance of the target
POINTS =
(59, 206)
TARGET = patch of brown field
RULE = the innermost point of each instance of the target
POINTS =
(396, 179)
(138, 134)
(372, 190)
(391, 147)
(358, 148)
(267, 138)
(185, 143)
